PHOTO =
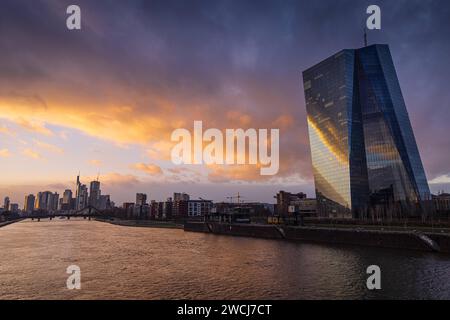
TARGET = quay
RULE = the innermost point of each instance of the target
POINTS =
(406, 239)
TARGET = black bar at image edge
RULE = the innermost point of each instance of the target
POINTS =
(231, 309)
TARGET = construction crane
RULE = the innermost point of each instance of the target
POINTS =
(238, 197)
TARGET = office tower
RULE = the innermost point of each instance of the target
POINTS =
(28, 205)
(47, 201)
(364, 154)
(6, 204)
(14, 207)
(54, 200)
(77, 192)
(42, 199)
(141, 199)
(81, 195)
(67, 196)
(104, 203)
(38, 202)
(94, 193)
(66, 200)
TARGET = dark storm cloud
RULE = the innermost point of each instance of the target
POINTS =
(246, 55)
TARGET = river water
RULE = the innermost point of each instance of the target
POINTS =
(149, 263)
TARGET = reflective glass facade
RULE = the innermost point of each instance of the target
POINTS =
(363, 148)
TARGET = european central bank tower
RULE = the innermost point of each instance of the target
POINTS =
(365, 158)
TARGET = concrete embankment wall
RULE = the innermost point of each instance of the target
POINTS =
(196, 227)
(442, 240)
(242, 230)
(386, 239)
(401, 240)
(5, 223)
(257, 231)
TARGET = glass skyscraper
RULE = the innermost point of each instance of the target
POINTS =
(364, 154)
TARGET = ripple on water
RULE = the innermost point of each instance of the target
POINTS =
(148, 263)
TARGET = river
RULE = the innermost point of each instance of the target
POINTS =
(119, 262)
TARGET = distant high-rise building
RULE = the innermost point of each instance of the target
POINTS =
(40, 201)
(47, 201)
(54, 202)
(67, 201)
(81, 195)
(94, 193)
(28, 205)
(167, 209)
(141, 199)
(14, 207)
(67, 196)
(364, 153)
(127, 205)
(104, 202)
(6, 204)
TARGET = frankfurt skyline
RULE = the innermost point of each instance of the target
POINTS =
(55, 120)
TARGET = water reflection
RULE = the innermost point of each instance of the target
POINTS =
(139, 263)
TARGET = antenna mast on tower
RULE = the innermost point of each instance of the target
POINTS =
(365, 37)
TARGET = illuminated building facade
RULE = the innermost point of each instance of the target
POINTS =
(364, 154)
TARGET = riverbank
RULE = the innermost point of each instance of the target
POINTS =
(144, 223)
(411, 240)
(5, 223)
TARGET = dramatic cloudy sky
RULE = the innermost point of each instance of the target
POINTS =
(106, 99)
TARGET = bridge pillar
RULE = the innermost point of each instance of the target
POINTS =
(89, 218)
(68, 217)
(39, 219)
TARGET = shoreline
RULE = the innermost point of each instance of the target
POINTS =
(410, 240)
(143, 224)
(6, 223)
(396, 239)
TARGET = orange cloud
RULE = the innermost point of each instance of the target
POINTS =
(4, 153)
(161, 150)
(146, 117)
(283, 122)
(37, 127)
(239, 118)
(228, 173)
(106, 120)
(31, 154)
(114, 179)
(48, 146)
(6, 131)
(148, 168)
(95, 162)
